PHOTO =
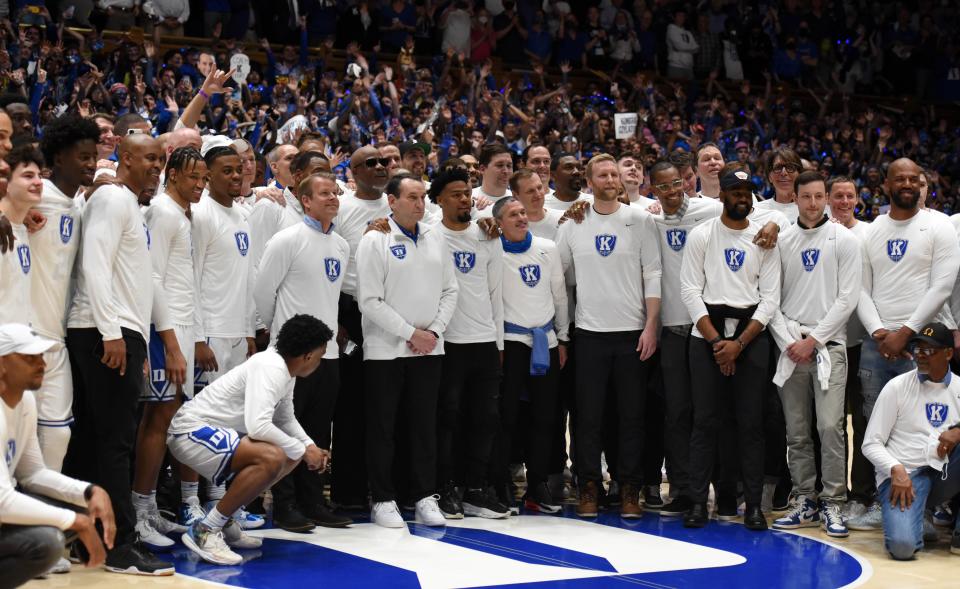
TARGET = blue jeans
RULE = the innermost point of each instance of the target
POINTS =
(876, 371)
(903, 530)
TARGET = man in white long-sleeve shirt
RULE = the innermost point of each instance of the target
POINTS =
(31, 538)
(614, 260)
(407, 293)
(912, 438)
(23, 191)
(820, 288)
(69, 147)
(681, 47)
(107, 332)
(731, 289)
(302, 272)
(496, 165)
(242, 427)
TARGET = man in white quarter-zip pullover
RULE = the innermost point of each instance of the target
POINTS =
(407, 293)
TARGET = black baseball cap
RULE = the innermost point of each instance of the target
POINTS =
(409, 145)
(935, 334)
(736, 179)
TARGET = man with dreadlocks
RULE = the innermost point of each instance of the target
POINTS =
(171, 374)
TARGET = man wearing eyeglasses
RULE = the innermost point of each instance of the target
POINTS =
(783, 167)
(289, 284)
(911, 439)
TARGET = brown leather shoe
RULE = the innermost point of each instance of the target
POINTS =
(587, 507)
(630, 502)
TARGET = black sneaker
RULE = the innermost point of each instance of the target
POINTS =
(696, 517)
(676, 508)
(753, 519)
(290, 518)
(539, 499)
(449, 502)
(652, 499)
(727, 508)
(135, 559)
(322, 515)
(483, 503)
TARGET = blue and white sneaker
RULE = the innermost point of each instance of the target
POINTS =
(247, 520)
(943, 515)
(190, 512)
(832, 520)
(872, 519)
(805, 514)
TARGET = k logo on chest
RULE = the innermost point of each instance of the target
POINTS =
(896, 249)
(332, 268)
(676, 239)
(530, 274)
(23, 256)
(243, 242)
(734, 258)
(605, 244)
(810, 258)
(66, 228)
(937, 413)
(464, 261)
(399, 251)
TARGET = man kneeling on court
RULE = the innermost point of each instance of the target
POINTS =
(242, 427)
(912, 438)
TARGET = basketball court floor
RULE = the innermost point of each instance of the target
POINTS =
(550, 552)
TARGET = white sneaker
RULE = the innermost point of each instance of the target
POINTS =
(872, 519)
(386, 514)
(853, 509)
(163, 525)
(150, 535)
(60, 567)
(191, 511)
(428, 511)
(210, 545)
(235, 537)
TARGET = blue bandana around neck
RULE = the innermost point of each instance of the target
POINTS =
(516, 247)
(314, 224)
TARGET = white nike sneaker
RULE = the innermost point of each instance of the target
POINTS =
(210, 545)
(235, 537)
(163, 525)
(428, 511)
(386, 514)
(150, 535)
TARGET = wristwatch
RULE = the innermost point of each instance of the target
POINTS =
(715, 341)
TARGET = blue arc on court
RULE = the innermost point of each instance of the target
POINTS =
(773, 559)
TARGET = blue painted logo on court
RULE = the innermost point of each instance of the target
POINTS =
(810, 258)
(937, 413)
(66, 228)
(530, 274)
(243, 242)
(464, 261)
(23, 255)
(332, 268)
(399, 251)
(896, 249)
(676, 239)
(605, 244)
(734, 258)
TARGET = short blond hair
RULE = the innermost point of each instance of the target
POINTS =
(601, 157)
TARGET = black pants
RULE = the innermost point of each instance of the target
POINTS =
(568, 398)
(407, 386)
(105, 410)
(314, 399)
(469, 413)
(862, 483)
(774, 426)
(727, 411)
(543, 394)
(610, 361)
(678, 406)
(348, 483)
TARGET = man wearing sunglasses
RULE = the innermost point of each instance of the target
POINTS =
(912, 438)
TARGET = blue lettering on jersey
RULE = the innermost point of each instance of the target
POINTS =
(605, 244)
(66, 228)
(216, 439)
(896, 249)
(464, 261)
(11, 452)
(23, 254)
(399, 251)
(734, 258)
(332, 268)
(937, 414)
(243, 242)
(676, 239)
(810, 258)
(530, 274)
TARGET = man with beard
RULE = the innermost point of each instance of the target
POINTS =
(469, 416)
(910, 263)
(496, 165)
(289, 284)
(631, 174)
(731, 289)
(107, 335)
(413, 157)
(473, 168)
(567, 182)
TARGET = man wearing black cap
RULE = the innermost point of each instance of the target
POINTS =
(413, 157)
(912, 435)
(731, 288)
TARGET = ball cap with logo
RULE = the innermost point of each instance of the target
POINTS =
(16, 338)
(935, 334)
(736, 179)
(411, 145)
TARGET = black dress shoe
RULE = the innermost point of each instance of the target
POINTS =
(697, 516)
(290, 518)
(753, 518)
(676, 508)
(322, 515)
